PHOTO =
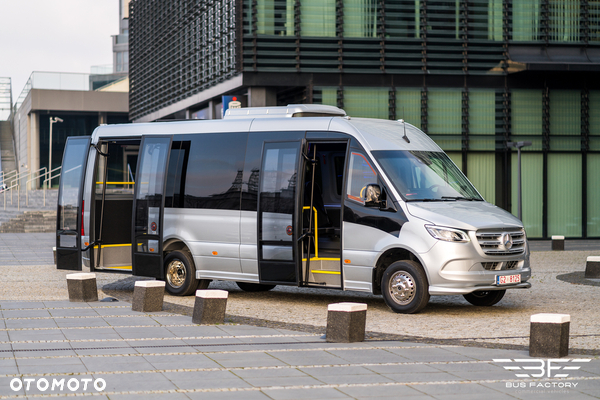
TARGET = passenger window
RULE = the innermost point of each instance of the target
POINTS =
(120, 165)
(361, 174)
(214, 171)
(180, 152)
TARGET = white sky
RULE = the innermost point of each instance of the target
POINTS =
(55, 35)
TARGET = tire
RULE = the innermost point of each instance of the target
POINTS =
(254, 287)
(485, 298)
(180, 274)
(405, 288)
(203, 284)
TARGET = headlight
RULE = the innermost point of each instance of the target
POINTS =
(447, 234)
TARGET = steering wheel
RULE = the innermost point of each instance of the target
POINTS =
(434, 187)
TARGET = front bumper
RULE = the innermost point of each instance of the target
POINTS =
(460, 268)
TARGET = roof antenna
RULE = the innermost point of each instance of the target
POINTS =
(404, 124)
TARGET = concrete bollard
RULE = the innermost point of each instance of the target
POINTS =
(549, 335)
(82, 287)
(346, 322)
(558, 242)
(148, 296)
(209, 307)
(592, 267)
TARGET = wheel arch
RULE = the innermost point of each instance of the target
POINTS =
(387, 258)
(176, 244)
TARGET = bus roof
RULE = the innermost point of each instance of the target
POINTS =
(373, 134)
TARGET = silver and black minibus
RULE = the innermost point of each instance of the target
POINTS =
(302, 195)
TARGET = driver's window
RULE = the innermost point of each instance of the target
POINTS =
(361, 174)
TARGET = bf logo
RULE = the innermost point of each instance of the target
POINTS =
(547, 368)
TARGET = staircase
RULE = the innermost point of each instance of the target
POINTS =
(31, 221)
(34, 217)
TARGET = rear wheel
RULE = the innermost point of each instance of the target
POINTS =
(405, 288)
(485, 298)
(254, 287)
(180, 274)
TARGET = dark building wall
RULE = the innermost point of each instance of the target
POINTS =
(177, 49)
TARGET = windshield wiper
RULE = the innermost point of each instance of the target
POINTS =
(411, 200)
(457, 198)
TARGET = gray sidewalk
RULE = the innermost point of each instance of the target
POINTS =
(51, 347)
(137, 355)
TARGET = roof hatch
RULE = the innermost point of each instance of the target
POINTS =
(292, 110)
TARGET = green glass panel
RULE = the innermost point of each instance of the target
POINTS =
(594, 21)
(526, 112)
(329, 96)
(495, 20)
(444, 110)
(265, 17)
(532, 195)
(593, 195)
(289, 18)
(526, 20)
(317, 18)
(360, 18)
(565, 119)
(408, 106)
(481, 171)
(564, 20)
(367, 102)
(564, 194)
(482, 120)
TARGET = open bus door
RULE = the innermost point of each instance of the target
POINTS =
(70, 197)
(278, 211)
(148, 206)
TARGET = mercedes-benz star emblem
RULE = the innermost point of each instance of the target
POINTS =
(507, 241)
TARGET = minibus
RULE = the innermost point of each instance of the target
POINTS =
(302, 195)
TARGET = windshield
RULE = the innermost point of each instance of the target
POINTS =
(425, 176)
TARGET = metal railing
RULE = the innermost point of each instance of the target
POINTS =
(31, 180)
(49, 179)
(14, 183)
(14, 179)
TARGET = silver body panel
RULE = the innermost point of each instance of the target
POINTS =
(224, 243)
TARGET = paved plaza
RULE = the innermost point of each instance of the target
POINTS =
(50, 346)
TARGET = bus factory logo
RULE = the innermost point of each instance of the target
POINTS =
(540, 368)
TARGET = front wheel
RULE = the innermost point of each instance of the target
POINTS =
(180, 274)
(405, 288)
(485, 298)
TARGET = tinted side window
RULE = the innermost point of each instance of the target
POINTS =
(180, 152)
(214, 171)
(253, 162)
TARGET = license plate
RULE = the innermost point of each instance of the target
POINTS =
(507, 279)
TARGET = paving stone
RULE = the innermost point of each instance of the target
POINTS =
(229, 395)
(245, 360)
(297, 394)
(181, 361)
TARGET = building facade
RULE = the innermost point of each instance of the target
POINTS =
(474, 75)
